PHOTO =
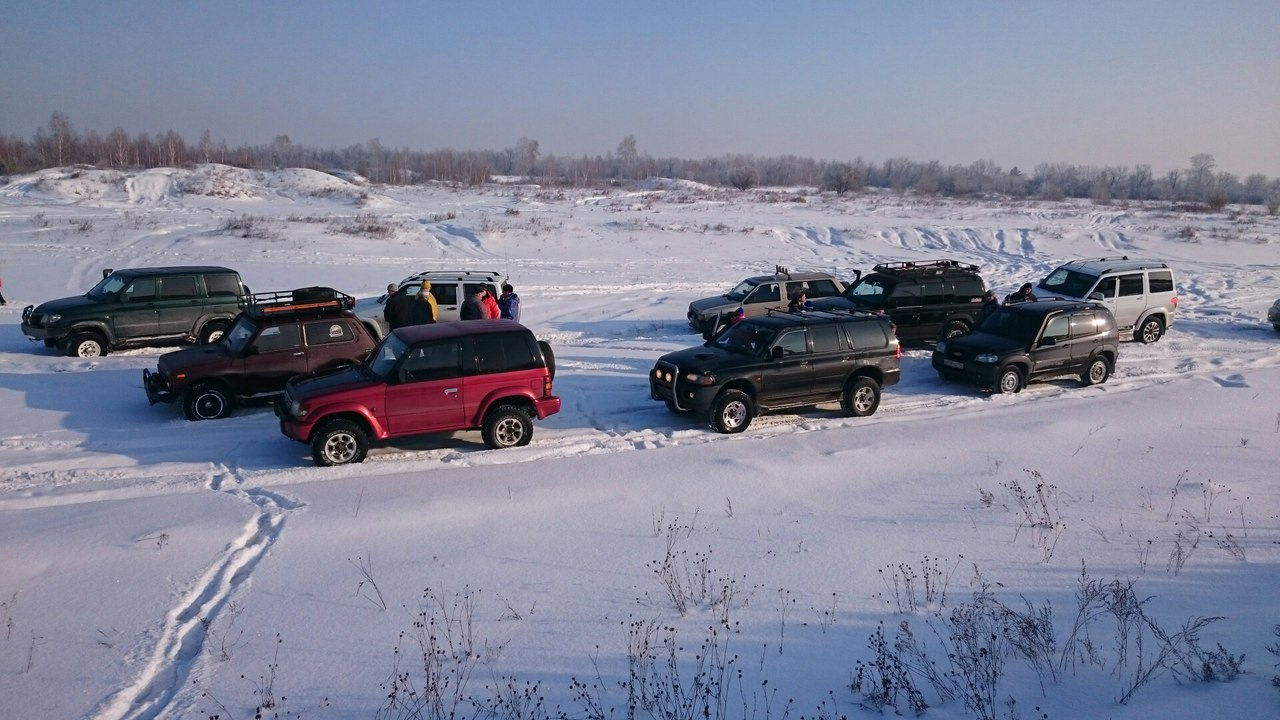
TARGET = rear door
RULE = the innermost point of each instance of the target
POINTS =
(178, 305)
(499, 365)
(426, 394)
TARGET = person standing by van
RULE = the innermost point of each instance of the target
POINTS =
(423, 308)
(398, 310)
(509, 303)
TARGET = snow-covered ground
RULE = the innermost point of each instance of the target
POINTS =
(152, 567)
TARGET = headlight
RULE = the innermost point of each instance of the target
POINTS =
(297, 410)
(700, 379)
(661, 375)
(941, 346)
(987, 358)
(51, 319)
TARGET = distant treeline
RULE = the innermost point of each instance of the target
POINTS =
(60, 144)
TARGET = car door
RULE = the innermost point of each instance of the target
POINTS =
(1052, 350)
(137, 316)
(178, 305)
(426, 392)
(1086, 337)
(329, 343)
(832, 359)
(766, 296)
(1131, 299)
(273, 356)
(499, 363)
(904, 305)
(790, 373)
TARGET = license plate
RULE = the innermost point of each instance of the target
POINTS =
(953, 364)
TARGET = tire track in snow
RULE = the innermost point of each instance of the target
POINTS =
(184, 630)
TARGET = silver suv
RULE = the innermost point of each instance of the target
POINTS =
(760, 294)
(449, 287)
(1139, 293)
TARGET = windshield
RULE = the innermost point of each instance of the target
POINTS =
(1068, 283)
(237, 338)
(745, 337)
(870, 290)
(107, 288)
(1013, 325)
(383, 360)
(741, 290)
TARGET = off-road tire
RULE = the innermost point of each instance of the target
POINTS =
(732, 411)
(952, 329)
(86, 345)
(1009, 380)
(207, 401)
(1097, 371)
(861, 397)
(507, 426)
(212, 332)
(1151, 330)
(339, 442)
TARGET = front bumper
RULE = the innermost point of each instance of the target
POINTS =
(981, 374)
(157, 387)
(665, 385)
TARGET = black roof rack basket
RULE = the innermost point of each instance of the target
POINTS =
(939, 265)
(301, 301)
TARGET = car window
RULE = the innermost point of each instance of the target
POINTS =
(178, 287)
(871, 290)
(906, 294)
(966, 288)
(1106, 286)
(934, 292)
(504, 353)
(1057, 328)
(278, 337)
(1084, 324)
(439, 360)
(324, 332)
(793, 342)
(866, 335)
(445, 293)
(826, 338)
(768, 292)
(745, 337)
(140, 290)
(823, 288)
(1160, 281)
(222, 285)
(237, 338)
(1068, 282)
(1131, 284)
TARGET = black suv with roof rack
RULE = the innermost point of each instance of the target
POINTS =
(781, 360)
(277, 336)
(926, 301)
(1036, 340)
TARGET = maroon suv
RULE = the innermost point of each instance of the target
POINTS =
(490, 375)
(277, 336)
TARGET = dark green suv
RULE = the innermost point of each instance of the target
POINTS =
(140, 307)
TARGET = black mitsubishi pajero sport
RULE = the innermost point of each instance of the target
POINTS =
(781, 360)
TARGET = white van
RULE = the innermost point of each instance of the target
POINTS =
(1139, 293)
(449, 287)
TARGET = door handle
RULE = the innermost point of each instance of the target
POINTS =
(451, 391)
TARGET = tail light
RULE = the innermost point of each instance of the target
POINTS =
(1175, 302)
(546, 387)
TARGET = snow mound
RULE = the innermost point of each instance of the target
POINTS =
(661, 183)
(151, 187)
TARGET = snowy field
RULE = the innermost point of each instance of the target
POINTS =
(152, 567)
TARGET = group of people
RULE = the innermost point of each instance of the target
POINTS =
(422, 308)
(991, 303)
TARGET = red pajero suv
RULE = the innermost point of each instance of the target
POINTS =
(490, 375)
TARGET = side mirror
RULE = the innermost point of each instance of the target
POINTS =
(776, 352)
(1096, 297)
(1046, 342)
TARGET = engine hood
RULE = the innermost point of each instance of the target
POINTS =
(976, 343)
(836, 303)
(713, 305)
(706, 359)
(196, 358)
(348, 379)
(68, 305)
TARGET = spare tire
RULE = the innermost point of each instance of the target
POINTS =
(549, 356)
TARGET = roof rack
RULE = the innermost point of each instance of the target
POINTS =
(302, 301)
(938, 265)
(827, 314)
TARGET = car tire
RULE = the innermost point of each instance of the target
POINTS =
(212, 332)
(1096, 372)
(507, 426)
(1151, 330)
(732, 411)
(86, 345)
(861, 397)
(339, 442)
(549, 356)
(207, 401)
(1009, 380)
(952, 329)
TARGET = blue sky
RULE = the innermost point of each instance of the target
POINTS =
(1018, 83)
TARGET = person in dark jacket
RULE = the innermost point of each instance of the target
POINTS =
(398, 309)
(1024, 294)
(509, 303)
(990, 304)
(422, 309)
(473, 307)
